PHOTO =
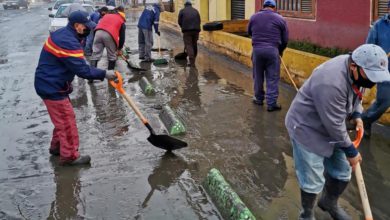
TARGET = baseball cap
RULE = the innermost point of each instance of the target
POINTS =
(188, 2)
(81, 17)
(374, 62)
(269, 3)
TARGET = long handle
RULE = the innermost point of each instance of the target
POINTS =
(118, 85)
(135, 108)
(363, 192)
(124, 58)
(288, 73)
(159, 45)
(360, 181)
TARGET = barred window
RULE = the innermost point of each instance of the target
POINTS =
(379, 9)
(297, 8)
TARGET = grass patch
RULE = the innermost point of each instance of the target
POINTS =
(315, 49)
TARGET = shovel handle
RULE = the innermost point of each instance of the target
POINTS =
(118, 86)
(359, 137)
(124, 58)
(363, 193)
(159, 45)
(360, 180)
(288, 73)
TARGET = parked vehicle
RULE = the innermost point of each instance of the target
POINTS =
(15, 4)
(61, 2)
(60, 20)
(53, 10)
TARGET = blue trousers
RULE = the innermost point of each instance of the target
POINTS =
(310, 167)
(89, 43)
(266, 64)
(381, 104)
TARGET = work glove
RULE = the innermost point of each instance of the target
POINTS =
(158, 33)
(110, 75)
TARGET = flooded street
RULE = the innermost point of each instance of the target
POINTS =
(128, 177)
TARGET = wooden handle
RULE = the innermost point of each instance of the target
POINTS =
(159, 45)
(363, 192)
(288, 73)
(135, 108)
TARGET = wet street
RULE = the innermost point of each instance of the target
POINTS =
(129, 178)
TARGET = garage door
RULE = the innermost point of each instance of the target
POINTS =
(238, 9)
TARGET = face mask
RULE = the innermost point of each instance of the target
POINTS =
(85, 33)
(361, 82)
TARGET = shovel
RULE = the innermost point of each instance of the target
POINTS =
(161, 141)
(360, 181)
(130, 65)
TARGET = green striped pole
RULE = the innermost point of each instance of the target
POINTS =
(228, 202)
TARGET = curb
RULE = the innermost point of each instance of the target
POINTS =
(171, 121)
(228, 202)
(146, 87)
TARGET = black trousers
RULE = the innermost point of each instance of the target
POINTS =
(190, 39)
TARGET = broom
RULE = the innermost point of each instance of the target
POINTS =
(161, 60)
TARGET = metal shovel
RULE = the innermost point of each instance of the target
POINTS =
(165, 142)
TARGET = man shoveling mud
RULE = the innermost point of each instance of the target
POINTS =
(323, 152)
(61, 59)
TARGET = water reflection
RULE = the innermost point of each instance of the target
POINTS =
(165, 174)
(67, 198)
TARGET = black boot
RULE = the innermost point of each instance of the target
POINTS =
(307, 200)
(94, 63)
(81, 160)
(330, 195)
(111, 64)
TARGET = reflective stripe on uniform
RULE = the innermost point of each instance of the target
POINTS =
(57, 51)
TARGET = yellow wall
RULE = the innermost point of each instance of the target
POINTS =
(250, 8)
(219, 10)
(203, 8)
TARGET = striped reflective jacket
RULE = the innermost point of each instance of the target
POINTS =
(62, 58)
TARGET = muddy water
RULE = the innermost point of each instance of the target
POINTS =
(130, 179)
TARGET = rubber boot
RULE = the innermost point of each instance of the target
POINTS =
(93, 63)
(330, 195)
(307, 201)
(111, 64)
(81, 160)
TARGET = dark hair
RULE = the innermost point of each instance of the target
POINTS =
(103, 9)
(120, 8)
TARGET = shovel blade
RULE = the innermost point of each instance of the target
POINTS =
(166, 142)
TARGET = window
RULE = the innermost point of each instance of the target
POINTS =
(297, 8)
(379, 9)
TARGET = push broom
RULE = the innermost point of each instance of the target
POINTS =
(160, 60)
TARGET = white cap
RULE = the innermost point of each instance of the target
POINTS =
(374, 62)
